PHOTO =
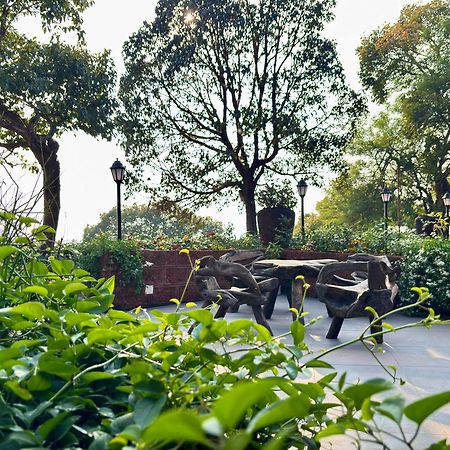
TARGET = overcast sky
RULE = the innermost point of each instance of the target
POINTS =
(87, 186)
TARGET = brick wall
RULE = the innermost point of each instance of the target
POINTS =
(166, 275)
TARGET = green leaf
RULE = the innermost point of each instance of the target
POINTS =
(238, 325)
(90, 377)
(121, 316)
(359, 392)
(7, 250)
(56, 265)
(147, 409)
(319, 363)
(279, 412)
(298, 332)
(30, 310)
(40, 290)
(27, 220)
(203, 316)
(392, 407)
(38, 383)
(21, 392)
(421, 409)
(45, 429)
(103, 335)
(238, 441)
(232, 405)
(108, 285)
(330, 430)
(43, 229)
(175, 426)
(73, 319)
(74, 287)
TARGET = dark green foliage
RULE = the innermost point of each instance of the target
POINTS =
(427, 263)
(76, 373)
(276, 195)
(220, 96)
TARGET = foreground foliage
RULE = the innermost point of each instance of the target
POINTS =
(77, 374)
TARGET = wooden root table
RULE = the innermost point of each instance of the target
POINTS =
(286, 270)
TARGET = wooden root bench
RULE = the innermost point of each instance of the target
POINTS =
(346, 298)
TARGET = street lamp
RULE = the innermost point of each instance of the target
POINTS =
(302, 188)
(446, 200)
(386, 197)
(118, 174)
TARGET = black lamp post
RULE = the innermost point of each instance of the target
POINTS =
(446, 200)
(302, 188)
(386, 197)
(118, 174)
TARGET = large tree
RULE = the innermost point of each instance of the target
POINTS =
(409, 61)
(220, 94)
(49, 87)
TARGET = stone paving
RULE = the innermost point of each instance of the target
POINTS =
(421, 356)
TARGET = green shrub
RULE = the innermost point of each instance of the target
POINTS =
(124, 255)
(77, 374)
(426, 262)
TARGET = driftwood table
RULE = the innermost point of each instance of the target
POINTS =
(286, 270)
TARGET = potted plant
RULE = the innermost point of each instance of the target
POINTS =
(276, 219)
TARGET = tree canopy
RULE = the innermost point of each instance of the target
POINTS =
(149, 223)
(408, 61)
(220, 95)
(47, 88)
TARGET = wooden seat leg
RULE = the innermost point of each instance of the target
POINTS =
(335, 327)
(376, 328)
(269, 305)
(221, 311)
(259, 317)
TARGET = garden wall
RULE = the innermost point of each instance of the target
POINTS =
(166, 274)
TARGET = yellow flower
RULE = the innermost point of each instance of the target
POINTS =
(184, 250)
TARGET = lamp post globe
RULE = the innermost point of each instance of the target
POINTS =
(302, 187)
(118, 174)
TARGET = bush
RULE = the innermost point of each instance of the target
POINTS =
(427, 263)
(77, 374)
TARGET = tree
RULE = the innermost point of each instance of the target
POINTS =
(47, 88)
(353, 198)
(397, 159)
(219, 95)
(408, 61)
(144, 222)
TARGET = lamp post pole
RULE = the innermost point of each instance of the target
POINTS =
(118, 174)
(302, 187)
(386, 197)
(446, 200)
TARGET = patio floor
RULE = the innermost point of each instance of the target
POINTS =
(421, 356)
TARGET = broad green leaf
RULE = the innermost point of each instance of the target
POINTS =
(147, 410)
(147, 327)
(54, 366)
(27, 220)
(76, 286)
(43, 229)
(298, 332)
(37, 268)
(108, 285)
(73, 319)
(280, 412)
(319, 363)
(392, 407)
(232, 405)
(103, 335)
(237, 325)
(30, 310)
(7, 250)
(23, 240)
(5, 215)
(292, 370)
(238, 441)
(21, 392)
(175, 426)
(90, 377)
(56, 265)
(67, 265)
(121, 316)
(359, 392)
(38, 382)
(203, 316)
(9, 353)
(40, 290)
(418, 411)
(45, 429)
(330, 430)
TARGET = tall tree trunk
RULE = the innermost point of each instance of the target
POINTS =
(247, 194)
(46, 153)
(441, 187)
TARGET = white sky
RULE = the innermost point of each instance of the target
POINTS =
(87, 186)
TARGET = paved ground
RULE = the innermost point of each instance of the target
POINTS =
(421, 356)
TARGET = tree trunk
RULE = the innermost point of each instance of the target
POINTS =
(247, 195)
(441, 187)
(46, 153)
